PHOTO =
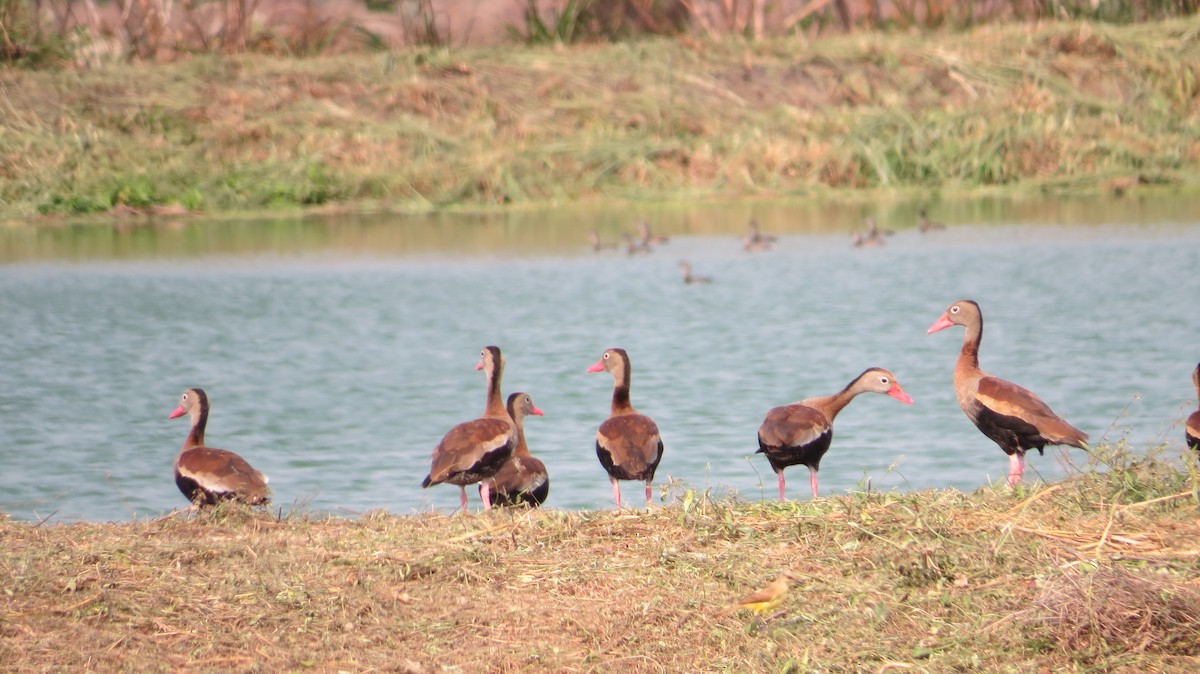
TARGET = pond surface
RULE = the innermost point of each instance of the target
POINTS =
(336, 352)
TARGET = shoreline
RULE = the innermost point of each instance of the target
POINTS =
(936, 580)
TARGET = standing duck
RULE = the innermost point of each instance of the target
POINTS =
(475, 450)
(1013, 417)
(800, 433)
(1192, 431)
(206, 475)
(522, 480)
(627, 443)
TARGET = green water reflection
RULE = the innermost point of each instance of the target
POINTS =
(551, 231)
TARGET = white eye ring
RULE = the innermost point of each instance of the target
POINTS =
(883, 380)
(954, 309)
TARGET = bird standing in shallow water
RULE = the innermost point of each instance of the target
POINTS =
(206, 475)
(1013, 417)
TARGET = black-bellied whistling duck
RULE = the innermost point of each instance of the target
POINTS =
(859, 241)
(627, 443)
(1013, 417)
(800, 433)
(634, 247)
(522, 480)
(927, 225)
(206, 475)
(755, 240)
(1192, 430)
(688, 277)
(874, 232)
(475, 450)
(646, 238)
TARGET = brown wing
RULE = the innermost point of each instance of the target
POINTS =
(470, 444)
(520, 474)
(222, 472)
(633, 444)
(792, 425)
(1193, 430)
(1006, 398)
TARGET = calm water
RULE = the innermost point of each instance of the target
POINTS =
(337, 353)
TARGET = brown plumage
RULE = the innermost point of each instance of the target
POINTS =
(475, 450)
(1192, 430)
(800, 433)
(1013, 417)
(206, 475)
(522, 480)
(627, 443)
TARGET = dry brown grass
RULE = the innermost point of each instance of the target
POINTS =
(1094, 574)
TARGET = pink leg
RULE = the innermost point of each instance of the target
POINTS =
(812, 480)
(648, 493)
(485, 493)
(1016, 468)
(781, 484)
(616, 491)
(464, 498)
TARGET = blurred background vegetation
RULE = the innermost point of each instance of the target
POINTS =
(41, 33)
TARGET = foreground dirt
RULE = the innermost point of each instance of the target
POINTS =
(932, 581)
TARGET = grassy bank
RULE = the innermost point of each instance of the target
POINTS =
(1097, 573)
(1051, 106)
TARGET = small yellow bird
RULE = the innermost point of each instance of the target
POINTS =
(767, 599)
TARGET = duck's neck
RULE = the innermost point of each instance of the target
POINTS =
(495, 403)
(195, 436)
(968, 358)
(620, 398)
(521, 449)
(831, 405)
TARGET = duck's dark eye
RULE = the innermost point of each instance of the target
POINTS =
(954, 309)
(883, 380)
(606, 354)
